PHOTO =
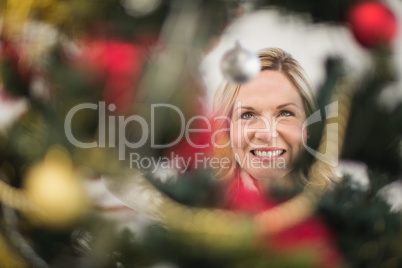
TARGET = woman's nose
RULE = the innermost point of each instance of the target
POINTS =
(264, 131)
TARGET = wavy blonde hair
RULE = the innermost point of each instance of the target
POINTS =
(274, 59)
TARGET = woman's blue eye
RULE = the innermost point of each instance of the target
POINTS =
(247, 115)
(286, 113)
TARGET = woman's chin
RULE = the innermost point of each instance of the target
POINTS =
(269, 175)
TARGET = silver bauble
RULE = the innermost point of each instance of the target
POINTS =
(239, 65)
(139, 8)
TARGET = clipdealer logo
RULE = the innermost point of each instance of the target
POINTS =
(110, 126)
(116, 125)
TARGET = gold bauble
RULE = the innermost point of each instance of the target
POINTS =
(53, 188)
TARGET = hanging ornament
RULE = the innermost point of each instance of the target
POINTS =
(119, 64)
(239, 65)
(53, 188)
(373, 24)
(139, 8)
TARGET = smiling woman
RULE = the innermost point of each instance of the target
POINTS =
(267, 126)
(260, 124)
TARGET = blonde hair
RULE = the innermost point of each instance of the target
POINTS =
(274, 59)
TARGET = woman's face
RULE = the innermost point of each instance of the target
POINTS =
(266, 131)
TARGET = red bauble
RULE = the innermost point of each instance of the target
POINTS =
(119, 64)
(373, 24)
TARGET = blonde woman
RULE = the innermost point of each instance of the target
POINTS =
(259, 125)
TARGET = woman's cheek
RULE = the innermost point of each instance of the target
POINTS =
(293, 133)
(305, 135)
(235, 136)
(239, 135)
(247, 136)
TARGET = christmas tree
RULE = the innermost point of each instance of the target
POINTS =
(90, 96)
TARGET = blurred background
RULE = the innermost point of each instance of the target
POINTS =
(311, 44)
(81, 185)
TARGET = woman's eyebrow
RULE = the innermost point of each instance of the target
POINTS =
(244, 107)
(286, 104)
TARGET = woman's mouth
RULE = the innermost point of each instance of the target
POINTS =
(268, 153)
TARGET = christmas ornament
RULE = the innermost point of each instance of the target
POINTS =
(119, 64)
(138, 8)
(239, 65)
(373, 24)
(55, 190)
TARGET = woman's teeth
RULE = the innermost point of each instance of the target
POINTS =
(267, 153)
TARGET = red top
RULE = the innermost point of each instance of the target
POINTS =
(309, 235)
